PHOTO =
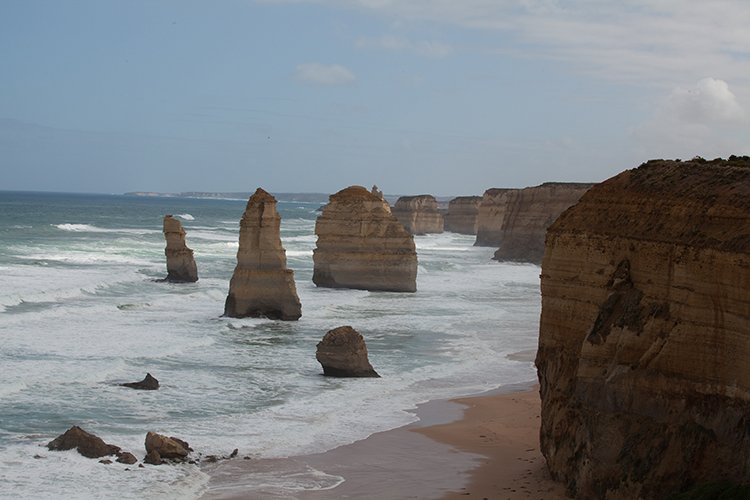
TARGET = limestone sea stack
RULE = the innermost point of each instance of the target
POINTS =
(528, 214)
(419, 214)
(644, 346)
(343, 353)
(491, 216)
(181, 266)
(462, 215)
(261, 284)
(362, 245)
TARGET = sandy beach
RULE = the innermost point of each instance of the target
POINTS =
(476, 447)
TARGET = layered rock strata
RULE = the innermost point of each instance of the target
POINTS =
(528, 213)
(419, 214)
(261, 284)
(362, 245)
(462, 215)
(343, 353)
(491, 216)
(645, 332)
(181, 266)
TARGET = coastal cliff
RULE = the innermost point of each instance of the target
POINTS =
(181, 266)
(462, 215)
(362, 245)
(528, 213)
(644, 333)
(491, 216)
(419, 214)
(261, 284)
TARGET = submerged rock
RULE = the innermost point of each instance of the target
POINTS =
(362, 245)
(181, 266)
(419, 214)
(644, 339)
(343, 353)
(149, 383)
(261, 284)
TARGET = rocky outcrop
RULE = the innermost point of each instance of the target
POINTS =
(528, 214)
(645, 332)
(181, 266)
(343, 353)
(491, 217)
(159, 448)
(87, 444)
(377, 192)
(419, 214)
(462, 215)
(149, 383)
(362, 245)
(261, 284)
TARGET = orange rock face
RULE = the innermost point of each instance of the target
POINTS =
(261, 284)
(180, 262)
(644, 343)
(362, 245)
(419, 214)
(463, 214)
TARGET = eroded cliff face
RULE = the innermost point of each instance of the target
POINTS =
(462, 215)
(528, 214)
(362, 245)
(644, 347)
(181, 266)
(419, 214)
(261, 284)
(491, 217)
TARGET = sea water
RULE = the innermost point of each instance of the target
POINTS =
(82, 310)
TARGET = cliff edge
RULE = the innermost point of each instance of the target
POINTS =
(645, 332)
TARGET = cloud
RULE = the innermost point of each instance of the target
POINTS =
(322, 74)
(709, 101)
(397, 43)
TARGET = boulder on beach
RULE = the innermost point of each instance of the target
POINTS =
(165, 447)
(149, 383)
(87, 444)
(181, 266)
(261, 284)
(343, 353)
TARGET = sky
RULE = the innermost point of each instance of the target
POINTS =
(445, 97)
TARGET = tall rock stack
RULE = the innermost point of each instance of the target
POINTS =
(419, 214)
(491, 217)
(181, 266)
(261, 284)
(644, 346)
(362, 245)
(462, 215)
(528, 214)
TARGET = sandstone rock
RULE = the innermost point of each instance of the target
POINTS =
(343, 353)
(127, 458)
(491, 217)
(166, 447)
(644, 334)
(87, 444)
(180, 262)
(377, 192)
(419, 214)
(462, 215)
(528, 214)
(149, 383)
(261, 284)
(362, 245)
(152, 458)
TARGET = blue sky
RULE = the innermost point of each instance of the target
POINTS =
(418, 96)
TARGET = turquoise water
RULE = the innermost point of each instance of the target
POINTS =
(80, 312)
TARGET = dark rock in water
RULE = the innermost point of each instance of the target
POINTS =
(152, 458)
(87, 444)
(210, 459)
(343, 353)
(147, 384)
(167, 447)
(105, 461)
(234, 453)
(126, 458)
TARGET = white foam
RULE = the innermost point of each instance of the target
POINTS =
(185, 216)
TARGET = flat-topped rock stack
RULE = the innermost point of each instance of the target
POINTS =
(491, 216)
(462, 215)
(261, 284)
(181, 266)
(528, 214)
(362, 245)
(644, 345)
(419, 214)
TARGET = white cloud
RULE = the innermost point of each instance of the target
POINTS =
(709, 101)
(397, 43)
(323, 74)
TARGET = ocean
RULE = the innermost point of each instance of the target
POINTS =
(82, 310)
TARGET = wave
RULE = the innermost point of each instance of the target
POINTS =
(88, 228)
(185, 216)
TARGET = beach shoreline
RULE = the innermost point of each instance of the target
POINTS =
(479, 446)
